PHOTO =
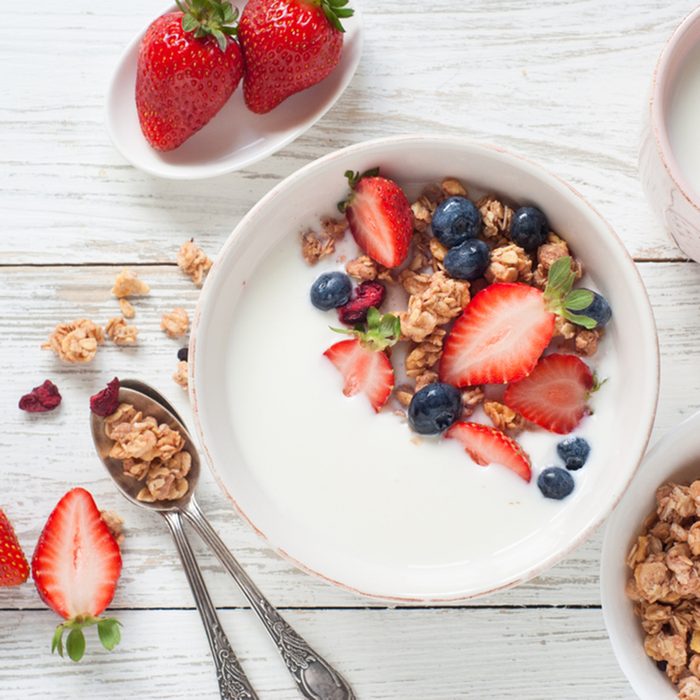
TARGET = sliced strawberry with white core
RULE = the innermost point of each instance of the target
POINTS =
(76, 566)
(498, 338)
(486, 445)
(380, 218)
(364, 371)
(555, 395)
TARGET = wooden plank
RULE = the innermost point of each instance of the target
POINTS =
(476, 654)
(463, 70)
(44, 455)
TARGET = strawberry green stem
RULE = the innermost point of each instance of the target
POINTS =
(107, 631)
(205, 18)
(335, 10)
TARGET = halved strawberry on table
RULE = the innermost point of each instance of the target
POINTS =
(505, 328)
(76, 567)
(188, 66)
(288, 45)
(487, 445)
(362, 361)
(555, 395)
(14, 569)
(380, 217)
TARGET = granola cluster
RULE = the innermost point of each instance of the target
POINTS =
(175, 323)
(150, 452)
(128, 284)
(193, 261)
(665, 585)
(318, 244)
(75, 341)
(120, 332)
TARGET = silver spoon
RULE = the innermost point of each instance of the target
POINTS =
(314, 677)
(233, 682)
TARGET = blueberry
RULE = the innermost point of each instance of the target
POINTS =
(455, 220)
(182, 354)
(331, 290)
(529, 228)
(434, 408)
(574, 451)
(469, 260)
(555, 482)
(599, 309)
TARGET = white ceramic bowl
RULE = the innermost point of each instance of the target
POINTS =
(422, 159)
(676, 457)
(236, 137)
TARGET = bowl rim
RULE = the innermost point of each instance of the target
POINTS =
(218, 168)
(648, 331)
(688, 426)
(657, 109)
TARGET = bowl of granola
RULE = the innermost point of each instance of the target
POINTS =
(410, 380)
(650, 570)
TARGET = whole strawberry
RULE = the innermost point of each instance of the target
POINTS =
(288, 45)
(188, 67)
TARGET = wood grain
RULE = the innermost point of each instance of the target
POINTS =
(385, 654)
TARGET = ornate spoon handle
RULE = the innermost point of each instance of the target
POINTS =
(233, 683)
(315, 678)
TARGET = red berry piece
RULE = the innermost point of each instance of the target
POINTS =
(104, 403)
(41, 398)
(367, 295)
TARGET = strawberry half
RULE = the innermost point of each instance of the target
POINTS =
(380, 217)
(76, 566)
(288, 46)
(555, 395)
(486, 445)
(506, 327)
(363, 362)
(188, 66)
(14, 569)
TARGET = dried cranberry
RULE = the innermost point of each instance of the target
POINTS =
(366, 295)
(41, 398)
(104, 403)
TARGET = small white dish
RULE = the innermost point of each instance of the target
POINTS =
(387, 528)
(676, 457)
(235, 137)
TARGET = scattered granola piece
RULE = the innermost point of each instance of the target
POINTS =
(41, 399)
(362, 268)
(564, 329)
(471, 399)
(422, 214)
(547, 254)
(127, 284)
(509, 263)
(175, 323)
(120, 332)
(192, 260)
(453, 187)
(443, 300)
(334, 228)
(115, 524)
(503, 417)
(314, 247)
(496, 216)
(75, 341)
(181, 376)
(403, 394)
(126, 308)
(414, 282)
(437, 250)
(425, 355)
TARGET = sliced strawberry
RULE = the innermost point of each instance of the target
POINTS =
(14, 569)
(555, 395)
(364, 370)
(380, 218)
(76, 566)
(486, 445)
(498, 338)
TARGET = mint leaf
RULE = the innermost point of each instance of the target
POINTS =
(578, 299)
(580, 320)
(75, 644)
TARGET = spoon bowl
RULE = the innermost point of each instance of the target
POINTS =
(150, 404)
(236, 137)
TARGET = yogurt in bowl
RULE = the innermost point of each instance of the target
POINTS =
(353, 495)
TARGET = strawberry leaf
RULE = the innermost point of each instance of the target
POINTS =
(334, 10)
(381, 332)
(205, 18)
(57, 641)
(75, 644)
(109, 633)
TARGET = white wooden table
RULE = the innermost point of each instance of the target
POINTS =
(564, 83)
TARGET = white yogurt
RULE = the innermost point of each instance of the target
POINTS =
(379, 491)
(684, 120)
